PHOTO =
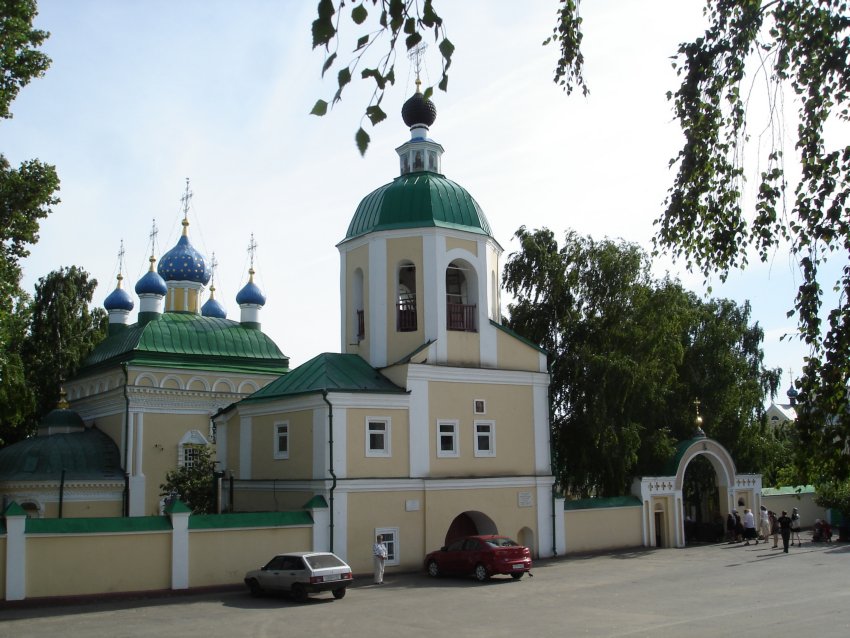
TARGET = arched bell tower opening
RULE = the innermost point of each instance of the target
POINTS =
(461, 297)
(406, 320)
(470, 524)
(359, 318)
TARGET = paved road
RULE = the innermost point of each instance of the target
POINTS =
(711, 591)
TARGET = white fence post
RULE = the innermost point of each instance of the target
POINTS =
(16, 552)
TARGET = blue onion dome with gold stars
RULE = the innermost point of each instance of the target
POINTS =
(212, 307)
(251, 293)
(183, 262)
(119, 299)
(151, 283)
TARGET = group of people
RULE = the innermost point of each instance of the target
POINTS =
(746, 528)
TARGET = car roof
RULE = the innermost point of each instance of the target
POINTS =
(308, 554)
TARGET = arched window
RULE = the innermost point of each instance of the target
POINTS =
(406, 298)
(357, 303)
(461, 293)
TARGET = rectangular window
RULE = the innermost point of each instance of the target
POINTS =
(447, 439)
(378, 437)
(479, 407)
(390, 537)
(191, 453)
(485, 438)
(281, 440)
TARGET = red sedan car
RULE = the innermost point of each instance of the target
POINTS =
(481, 556)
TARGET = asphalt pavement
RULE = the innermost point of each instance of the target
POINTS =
(710, 590)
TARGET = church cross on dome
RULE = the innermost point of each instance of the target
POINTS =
(252, 249)
(416, 55)
(185, 200)
(121, 263)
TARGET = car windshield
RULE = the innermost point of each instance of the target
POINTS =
(320, 561)
(500, 542)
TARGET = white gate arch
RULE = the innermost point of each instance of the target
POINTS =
(661, 496)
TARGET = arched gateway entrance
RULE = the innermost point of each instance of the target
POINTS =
(663, 519)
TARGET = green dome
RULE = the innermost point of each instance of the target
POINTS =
(188, 340)
(86, 455)
(418, 200)
(62, 418)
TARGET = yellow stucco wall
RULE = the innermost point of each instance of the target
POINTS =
(805, 503)
(215, 560)
(464, 348)
(299, 464)
(359, 465)
(462, 244)
(113, 426)
(66, 564)
(602, 528)
(86, 509)
(514, 446)
(516, 355)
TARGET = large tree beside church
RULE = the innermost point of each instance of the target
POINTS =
(795, 48)
(629, 355)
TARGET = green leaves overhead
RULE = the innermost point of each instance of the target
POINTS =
(411, 20)
(628, 355)
(20, 60)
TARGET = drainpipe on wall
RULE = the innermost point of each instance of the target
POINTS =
(126, 439)
(330, 464)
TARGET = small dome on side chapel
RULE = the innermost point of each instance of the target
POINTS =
(119, 299)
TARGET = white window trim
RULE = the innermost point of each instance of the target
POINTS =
(479, 452)
(456, 435)
(388, 449)
(276, 434)
(192, 438)
(395, 559)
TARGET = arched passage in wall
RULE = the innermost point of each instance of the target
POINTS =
(469, 524)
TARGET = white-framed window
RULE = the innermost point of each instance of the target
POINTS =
(189, 448)
(378, 436)
(485, 438)
(281, 440)
(447, 439)
(479, 406)
(390, 537)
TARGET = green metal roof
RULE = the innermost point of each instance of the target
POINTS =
(418, 200)
(100, 525)
(672, 465)
(328, 371)
(788, 490)
(178, 339)
(89, 454)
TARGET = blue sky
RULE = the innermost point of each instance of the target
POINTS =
(142, 95)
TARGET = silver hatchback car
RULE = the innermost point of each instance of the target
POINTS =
(300, 574)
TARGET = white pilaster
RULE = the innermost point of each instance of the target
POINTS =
(378, 293)
(542, 448)
(179, 549)
(245, 442)
(419, 438)
(16, 555)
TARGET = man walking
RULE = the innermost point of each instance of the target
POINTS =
(379, 551)
(785, 529)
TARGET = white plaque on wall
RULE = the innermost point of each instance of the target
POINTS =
(525, 499)
(411, 505)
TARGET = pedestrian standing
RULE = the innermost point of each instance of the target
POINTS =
(774, 528)
(795, 526)
(379, 557)
(785, 529)
(764, 523)
(750, 527)
(730, 527)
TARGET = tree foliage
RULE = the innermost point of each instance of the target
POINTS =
(193, 484)
(380, 24)
(63, 330)
(26, 195)
(628, 356)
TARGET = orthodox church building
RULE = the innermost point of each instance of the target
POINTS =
(431, 422)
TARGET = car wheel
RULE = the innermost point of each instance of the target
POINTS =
(481, 573)
(433, 569)
(299, 593)
(254, 586)
(339, 593)
(517, 576)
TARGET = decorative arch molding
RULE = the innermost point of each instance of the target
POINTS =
(223, 385)
(718, 455)
(198, 383)
(171, 382)
(248, 387)
(146, 379)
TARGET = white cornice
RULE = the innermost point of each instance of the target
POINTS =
(450, 374)
(400, 484)
(406, 233)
